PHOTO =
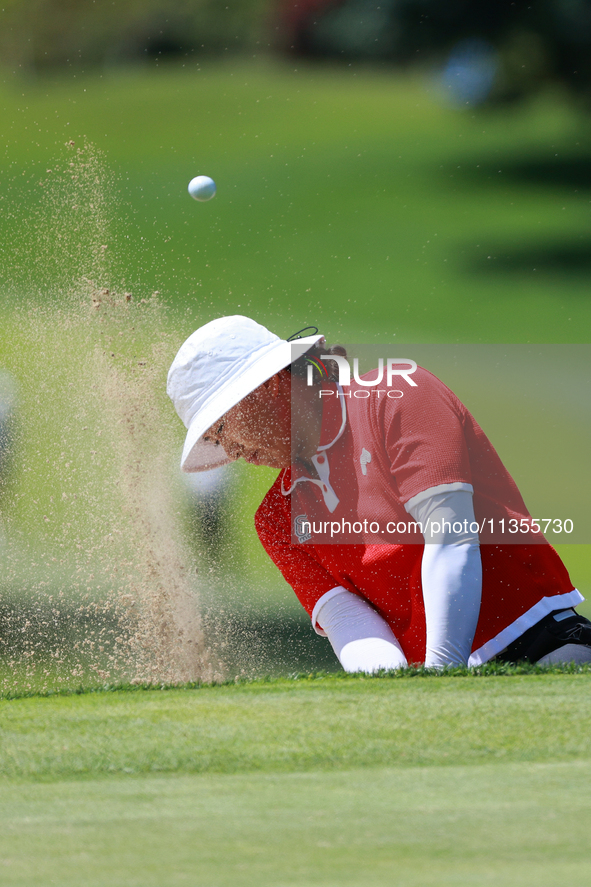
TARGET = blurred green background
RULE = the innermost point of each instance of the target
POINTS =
(352, 195)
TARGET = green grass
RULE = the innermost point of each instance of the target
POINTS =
(410, 781)
(519, 825)
(346, 197)
(285, 726)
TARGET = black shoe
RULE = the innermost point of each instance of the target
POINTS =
(548, 635)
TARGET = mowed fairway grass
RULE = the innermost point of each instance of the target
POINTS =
(332, 780)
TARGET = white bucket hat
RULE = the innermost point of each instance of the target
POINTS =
(218, 366)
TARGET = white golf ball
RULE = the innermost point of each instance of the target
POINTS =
(202, 188)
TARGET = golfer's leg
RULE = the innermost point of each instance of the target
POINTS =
(361, 639)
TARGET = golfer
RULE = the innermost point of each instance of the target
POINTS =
(412, 457)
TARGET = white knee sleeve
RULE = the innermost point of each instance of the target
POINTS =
(361, 639)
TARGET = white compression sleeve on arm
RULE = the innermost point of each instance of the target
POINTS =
(451, 574)
(361, 639)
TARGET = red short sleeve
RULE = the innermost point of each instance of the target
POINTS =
(425, 438)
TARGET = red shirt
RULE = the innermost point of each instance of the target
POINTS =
(425, 439)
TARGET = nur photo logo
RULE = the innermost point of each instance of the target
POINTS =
(399, 367)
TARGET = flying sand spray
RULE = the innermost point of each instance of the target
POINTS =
(98, 585)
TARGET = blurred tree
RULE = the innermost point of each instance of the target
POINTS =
(529, 43)
(485, 49)
(44, 34)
